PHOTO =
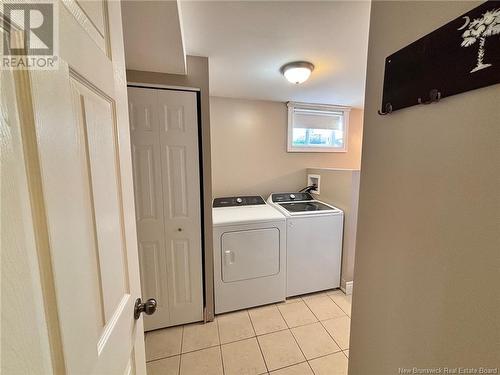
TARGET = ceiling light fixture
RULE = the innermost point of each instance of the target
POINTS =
(297, 71)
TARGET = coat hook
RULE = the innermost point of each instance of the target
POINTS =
(388, 109)
(434, 97)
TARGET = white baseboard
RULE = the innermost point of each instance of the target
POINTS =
(348, 287)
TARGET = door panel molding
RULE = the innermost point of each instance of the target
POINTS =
(177, 184)
(80, 102)
(116, 160)
(97, 125)
(145, 182)
(181, 275)
(100, 37)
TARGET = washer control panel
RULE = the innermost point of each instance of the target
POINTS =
(238, 201)
(291, 197)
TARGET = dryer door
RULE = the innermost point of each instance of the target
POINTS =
(250, 254)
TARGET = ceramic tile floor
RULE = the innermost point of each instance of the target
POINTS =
(306, 335)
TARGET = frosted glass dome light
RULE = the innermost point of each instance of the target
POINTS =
(297, 72)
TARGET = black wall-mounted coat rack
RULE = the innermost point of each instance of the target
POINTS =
(460, 56)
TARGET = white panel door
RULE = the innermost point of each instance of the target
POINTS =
(164, 128)
(76, 140)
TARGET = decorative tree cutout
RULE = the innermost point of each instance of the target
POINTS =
(480, 28)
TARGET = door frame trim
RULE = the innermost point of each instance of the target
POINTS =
(161, 87)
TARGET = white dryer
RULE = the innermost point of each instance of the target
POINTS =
(314, 242)
(249, 253)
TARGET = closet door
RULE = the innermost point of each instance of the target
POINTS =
(164, 128)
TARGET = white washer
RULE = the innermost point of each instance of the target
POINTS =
(314, 242)
(249, 253)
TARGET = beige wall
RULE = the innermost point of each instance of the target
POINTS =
(428, 245)
(340, 187)
(249, 148)
(196, 77)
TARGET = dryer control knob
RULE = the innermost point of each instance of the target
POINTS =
(239, 200)
(292, 196)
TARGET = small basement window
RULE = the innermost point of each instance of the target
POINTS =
(317, 128)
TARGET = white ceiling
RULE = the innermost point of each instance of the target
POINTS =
(248, 41)
(152, 35)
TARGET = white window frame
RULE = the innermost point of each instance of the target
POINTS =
(296, 105)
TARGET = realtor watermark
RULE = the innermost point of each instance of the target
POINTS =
(31, 35)
(448, 370)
